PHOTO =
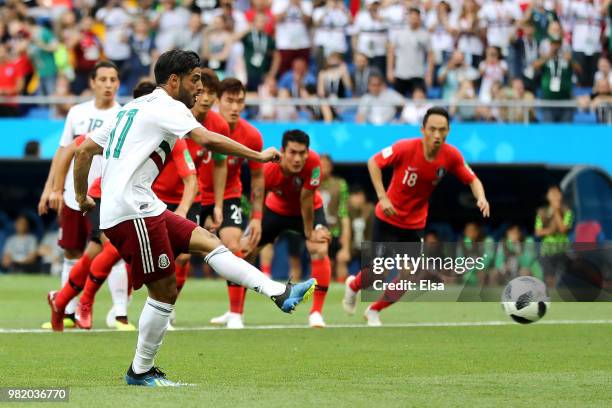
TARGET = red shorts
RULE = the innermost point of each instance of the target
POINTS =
(149, 245)
(75, 229)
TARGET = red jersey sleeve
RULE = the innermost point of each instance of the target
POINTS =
(389, 155)
(460, 168)
(256, 143)
(312, 170)
(183, 160)
(269, 170)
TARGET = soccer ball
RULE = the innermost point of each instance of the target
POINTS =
(525, 299)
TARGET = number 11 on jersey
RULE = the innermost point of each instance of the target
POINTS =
(126, 128)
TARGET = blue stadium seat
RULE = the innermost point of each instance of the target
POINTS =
(434, 93)
(578, 91)
(38, 112)
(585, 117)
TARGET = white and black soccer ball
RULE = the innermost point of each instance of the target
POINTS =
(525, 299)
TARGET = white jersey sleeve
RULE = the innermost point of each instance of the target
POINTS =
(178, 121)
(68, 133)
(101, 134)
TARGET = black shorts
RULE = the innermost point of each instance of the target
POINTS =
(232, 214)
(273, 224)
(384, 232)
(192, 215)
(94, 218)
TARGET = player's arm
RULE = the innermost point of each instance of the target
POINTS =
(219, 181)
(258, 189)
(190, 190)
(222, 144)
(82, 163)
(64, 157)
(345, 234)
(479, 195)
(312, 233)
(187, 172)
(45, 196)
(377, 182)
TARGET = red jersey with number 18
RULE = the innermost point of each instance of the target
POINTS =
(284, 190)
(415, 178)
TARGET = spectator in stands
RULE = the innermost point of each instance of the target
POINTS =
(467, 93)
(263, 7)
(360, 75)
(525, 51)
(453, 73)
(443, 28)
(381, 104)
(552, 225)
(498, 18)
(50, 253)
(261, 57)
(600, 101)
(493, 69)
(116, 22)
(516, 256)
(361, 215)
(293, 18)
(11, 81)
(334, 191)
(540, 16)
(169, 23)
(32, 150)
(192, 38)
(410, 60)
(603, 70)
(270, 111)
(218, 42)
(587, 20)
(42, 46)
(414, 111)
(470, 34)
(20, 249)
(62, 89)
(142, 53)
(299, 83)
(333, 82)
(518, 93)
(330, 22)
(87, 51)
(476, 244)
(370, 33)
(556, 69)
(554, 31)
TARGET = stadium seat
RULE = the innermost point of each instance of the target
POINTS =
(585, 117)
(588, 231)
(38, 112)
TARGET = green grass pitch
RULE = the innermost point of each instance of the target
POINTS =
(539, 365)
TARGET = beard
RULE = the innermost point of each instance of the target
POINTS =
(186, 97)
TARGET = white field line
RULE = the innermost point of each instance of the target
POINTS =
(331, 326)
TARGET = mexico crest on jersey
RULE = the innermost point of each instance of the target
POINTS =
(163, 261)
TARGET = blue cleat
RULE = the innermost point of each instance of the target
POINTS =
(152, 378)
(294, 295)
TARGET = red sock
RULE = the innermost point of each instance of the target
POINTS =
(76, 281)
(267, 270)
(380, 305)
(356, 283)
(100, 269)
(388, 298)
(242, 299)
(236, 297)
(182, 270)
(321, 271)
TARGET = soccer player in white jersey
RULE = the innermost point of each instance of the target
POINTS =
(82, 118)
(145, 233)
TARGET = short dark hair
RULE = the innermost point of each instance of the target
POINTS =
(230, 85)
(297, 136)
(103, 64)
(210, 79)
(375, 73)
(414, 10)
(32, 149)
(436, 110)
(177, 62)
(143, 87)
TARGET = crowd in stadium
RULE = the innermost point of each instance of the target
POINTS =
(479, 50)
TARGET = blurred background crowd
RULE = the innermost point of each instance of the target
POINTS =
(495, 56)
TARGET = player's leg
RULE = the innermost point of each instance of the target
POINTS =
(320, 270)
(118, 285)
(266, 256)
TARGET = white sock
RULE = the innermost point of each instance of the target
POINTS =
(239, 271)
(151, 329)
(118, 287)
(66, 267)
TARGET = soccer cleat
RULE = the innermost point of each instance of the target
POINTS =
(294, 295)
(110, 318)
(372, 317)
(85, 311)
(57, 315)
(220, 320)
(349, 302)
(173, 317)
(234, 321)
(152, 378)
(120, 326)
(316, 320)
(68, 324)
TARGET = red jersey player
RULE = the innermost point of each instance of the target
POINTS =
(401, 213)
(231, 103)
(293, 203)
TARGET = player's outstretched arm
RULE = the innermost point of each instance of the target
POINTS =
(479, 195)
(258, 189)
(64, 157)
(377, 182)
(82, 162)
(222, 144)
